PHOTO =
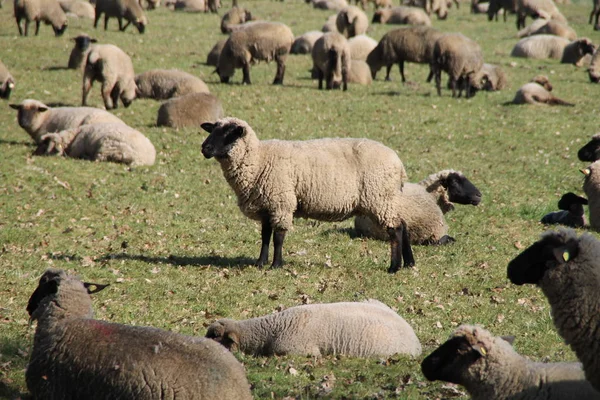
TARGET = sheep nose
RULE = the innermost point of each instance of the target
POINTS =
(207, 150)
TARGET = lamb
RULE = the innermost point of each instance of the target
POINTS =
(591, 151)
(359, 73)
(7, 82)
(489, 368)
(402, 15)
(330, 24)
(361, 46)
(545, 9)
(78, 56)
(543, 27)
(460, 57)
(414, 44)
(326, 179)
(351, 21)
(190, 110)
(332, 60)
(163, 84)
(572, 213)
(567, 269)
(130, 10)
(594, 68)
(590, 187)
(262, 41)
(117, 361)
(427, 202)
(47, 11)
(356, 329)
(550, 46)
(538, 92)
(215, 52)
(233, 17)
(496, 5)
(111, 66)
(37, 119)
(304, 43)
(78, 8)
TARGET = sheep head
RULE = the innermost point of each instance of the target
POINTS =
(140, 23)
(31, 114)
(225, 331)
(83, 42)
(460, 189)
(222, 137)
(591, 151)
(572, 203)
(543, 81)
(59, 30)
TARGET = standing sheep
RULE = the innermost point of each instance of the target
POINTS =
(332, 60)
(402, 15)
(130, 10)
(572, 214)
(47, 11)
(191, 110)
(545, 9)
(351, 21)
(356, 329)
(163, 84)
(542, 27)
(595, 13)
(438, 7)
(77, 357)
(326, 179)
(505, 5)
(594, 68)
(215, 53)
(489, 368)
(361, 46)
(262, 41)
(304, 43)
(233, 17)
(567, 269)
(591, 187)
(111, 66)
(7, 82)
(550, 46)
(538, 92)
(359, 73)
(37, 119)
(78, 56)
(591, 150)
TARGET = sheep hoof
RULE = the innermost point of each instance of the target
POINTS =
(278, 82)
(393, 269)
(276, 264)
(409, 264)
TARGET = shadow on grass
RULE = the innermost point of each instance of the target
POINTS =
(10, 349)
(14, 142)
(215, 261)
(55, 68)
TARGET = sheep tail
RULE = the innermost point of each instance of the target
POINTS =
(555, 101)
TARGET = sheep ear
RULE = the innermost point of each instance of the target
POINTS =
(232, 338)
(97, 287)
(15, 106)
(510, 339)
(208, 127)
(564, 254)
(93, 40)
(42, 109)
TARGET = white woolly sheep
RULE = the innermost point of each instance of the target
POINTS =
(543, 27)
(494, 7)
(591, 150)
(330, 24)
(78, 56)
(191, 110)
(538, 92)
(115, 142)
(326, 179)
(479, 8)
(427, 202)
(357, 329)
(233, 17)
(591, 187)
(545, 9)
(352, 21)
(47, 11)
(261, 41)
(334, 5)
(376, 3)
(489, 368)
(490, 78)
(332, 60)
(130, 10)
(111, 66)
(572, 213)
(163, 84)
(191, 6)
(117, 361)
(359, 73)
(7, 82)
(361, 46)
(304, 43)
(438, 7)
(78, 9)
(594, 68)
(567, 269)
(402, 15)
(550, 46)
(37, 119)
(215, 52)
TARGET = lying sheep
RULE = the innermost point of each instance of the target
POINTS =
(116, 361)
(163, 84)
(78, 9)
(304, 43)
(543, 27)
(78, 56)
(191, 110)
(330, 24)
(110, 65)
(356, 329)
(37, 119)
(550, 46)
(591, 187)
(545, 9)
(361, 46)
(489, 368)
(427, 202)
(566, 268)
(376, 3)
(191, 6)
(495, 6)
(332, 60)
(335, 5)
(326, 179)
(215, 53)
(359, 73)
(262, 41)
(572, 213)
(591, 150)
(402, 15)
(233, 17)
(594, 68)
(130, 10)
(150, 4)
(351, 21)
(490, 78)
(538, 92)
(7, 82)
(47, 11)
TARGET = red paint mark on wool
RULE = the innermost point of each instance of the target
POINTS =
(102, 328)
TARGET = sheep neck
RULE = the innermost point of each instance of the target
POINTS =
(242, 166)
(257, 335)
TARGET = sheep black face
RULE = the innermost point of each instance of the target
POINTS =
(82, 42)
(591, 151)
(376, 18)
(6, 89)
(61, 30)
(449, 361)
(586, 46)
(140, 24)
(571, 202)
(461, 190)
(221, 139)
(221, 333)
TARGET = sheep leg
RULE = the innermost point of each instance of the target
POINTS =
(401, 67)
(597, 15)
(124, 26)
(265, 235)
(280, 72)
(329, 79)
(389, 69)
(37, 27)
(592, 15)
(438, 81)
(246, 71)
(453, 87)
(114, 95)
(87, 86)
(105, 22)
(407, 254)
(21, 30)
(278, 238)
(396, 248)
(97, 18)
(344, 79)
(320, 76)
(107, 88)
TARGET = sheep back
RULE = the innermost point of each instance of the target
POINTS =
(48, 11)
(190, 110)
(162, 84)
(361, 46)
(304, 43)
(402, 15)
(215, 52)
(540, 47)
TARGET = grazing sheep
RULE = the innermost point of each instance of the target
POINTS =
(489, 368)
(191, 110)
(595, 13)
(334, 5)
(330, 25)
(163, 84)
(572, 213)
(215, 53)
(591, 187)
(78, 56)
(356, 329)
(361, 46)
(117, 361)
(304, 43)
(460, 57)
(567, 269)
(262, 41)
(545, 9)
(111, 66)
(213, 6)
(332, 60)
(37, 119)
(78, 9)
(414, 44)
(359, 73)
(538, 92)
(479, 8)
(494, 7)
(550, 46)
(438, 7)
(427, 202)
(489, 78)
(542, 27)
(7, 82)
(130, 10)
(402, 15)
(190, 6)
(233, 17)
(47, 11)
(591, 151)
(594, 68)
(351, 21)
(326, 179)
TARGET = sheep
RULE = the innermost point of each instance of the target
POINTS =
(151, 4)
(591, 150)
(191, 6)
(494, 7)
(550, 46)
(359, 73)
(537, 9)
(567, 269)
(262, 41)
(401, 15)
(351, 21)
(47, 11)
(538, 92)
(591, 185)
(489, 368)
(572, 213)
(215, 52)
(414, 44)
(77, 357)
(83, 45)
(356, 329)
(190, 110)
(163, 84)
(438, 7)
(213, 6)
(332, 60)
(78, 8)
(376, 3)
(361, 46)
(304, 43)
(335, 5)
(490, 78)
(543, 27)
(330, 25)
(233, 17)
(7, 82)
(130, 10)
(37, 119)
(326, 179)
(427, 202)
(460, 57)
(594, 68)
(595, 13)
(111, 66)
(479, 8)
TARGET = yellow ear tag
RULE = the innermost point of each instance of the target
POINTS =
(482, 351)
(566, 256)
(585, 171)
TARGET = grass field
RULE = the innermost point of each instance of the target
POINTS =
(179, 254)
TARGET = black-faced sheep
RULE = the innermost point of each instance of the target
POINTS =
(572, 213)
(163, 84)
(538, 92)
(78, 56)
(594, 68)
(47, 11)
(595, 13)
(591, 187)
(191, 110)
(332, 60)
(213, 56)
(7, 82)
(402, 15)
(326, 179)
(304, 43)
(351, 21)
(545, 9)
(506, 6)
(130, 10)
(234, 17)
(543, 27)
(550, 46)
(591, 150)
